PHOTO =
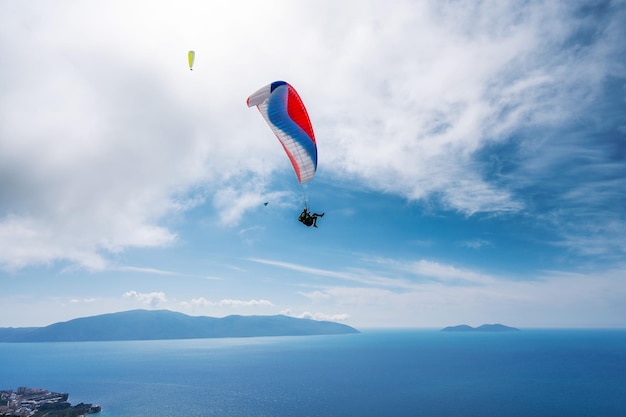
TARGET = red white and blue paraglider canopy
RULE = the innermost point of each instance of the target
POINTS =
(283, 110)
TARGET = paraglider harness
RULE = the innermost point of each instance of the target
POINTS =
(309, 219)
(306, 218)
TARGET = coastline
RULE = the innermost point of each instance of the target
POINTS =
(38, 401)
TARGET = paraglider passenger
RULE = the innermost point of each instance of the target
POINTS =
(309, 219)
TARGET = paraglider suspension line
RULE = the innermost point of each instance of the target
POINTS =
(305, 197)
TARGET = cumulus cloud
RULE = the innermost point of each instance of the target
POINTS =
(104, 136)
(153, 298)
(200, 301)
(316, 316)
(225, 306)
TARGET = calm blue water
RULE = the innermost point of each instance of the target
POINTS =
(376, 373)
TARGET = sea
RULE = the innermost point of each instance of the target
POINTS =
(376, 373)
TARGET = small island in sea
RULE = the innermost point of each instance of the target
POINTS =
(494, 328)
(166, 324)
(37, 402)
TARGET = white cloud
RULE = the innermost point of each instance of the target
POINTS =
(82, 300)
(146, 270)
(201, 301)
(316, 295)
(152, 298)
(316, 316)
(553, 299)
(243, 303)
(303, 268)
(392, 273)
(225, 306)
(105, 134)
(447, 274)
(475, 243)
(233, 203)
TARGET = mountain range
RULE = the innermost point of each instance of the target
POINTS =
(166, 324)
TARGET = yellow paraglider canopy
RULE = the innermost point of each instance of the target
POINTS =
(191, 56)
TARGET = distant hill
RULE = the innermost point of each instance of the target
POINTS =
(483, 328)
(166, 324)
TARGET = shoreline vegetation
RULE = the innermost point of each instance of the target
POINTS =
(38, 402)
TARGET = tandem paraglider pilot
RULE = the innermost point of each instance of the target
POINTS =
(309, 219)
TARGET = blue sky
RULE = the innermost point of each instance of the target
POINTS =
(472, 161)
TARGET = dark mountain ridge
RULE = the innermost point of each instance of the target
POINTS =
(483, 328)
(166, 324)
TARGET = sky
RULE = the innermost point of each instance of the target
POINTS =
(471, 161)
